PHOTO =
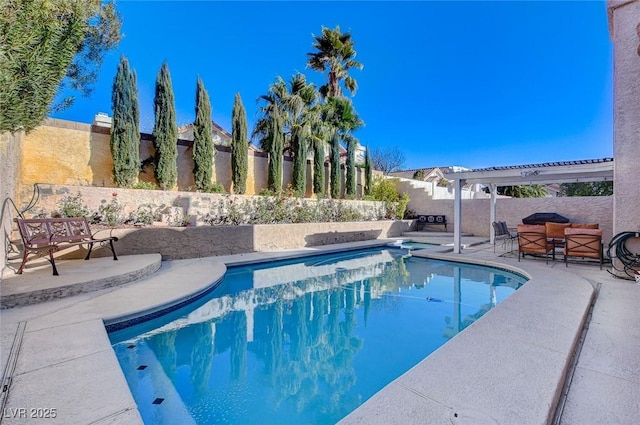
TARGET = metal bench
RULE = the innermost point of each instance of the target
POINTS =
(42, 236)
(429, 220)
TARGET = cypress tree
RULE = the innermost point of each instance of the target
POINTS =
(203, 149)
(276, 147)
(165, 131)
(239, 147)
(350, 184)
(367, 174)
(318, 169)
(135, 111)
(334, 184)
(299, 145)
(125, 133)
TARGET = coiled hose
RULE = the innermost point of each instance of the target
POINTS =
(618, 249)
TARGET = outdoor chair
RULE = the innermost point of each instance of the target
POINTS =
(532, 239)
(555, 232)
(502, 233)
(584, 243)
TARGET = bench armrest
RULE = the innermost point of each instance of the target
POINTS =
(93, 236)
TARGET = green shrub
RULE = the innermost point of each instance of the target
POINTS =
(214, 187)
(144, 214)
(72, 206)
(111, 212)
(385, 190)
(144, 185)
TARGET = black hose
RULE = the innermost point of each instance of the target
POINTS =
(618, 249)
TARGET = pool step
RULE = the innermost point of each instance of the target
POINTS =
(36, 284)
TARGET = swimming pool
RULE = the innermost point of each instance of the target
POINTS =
(303, 341)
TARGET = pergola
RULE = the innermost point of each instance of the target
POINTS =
(552, 172)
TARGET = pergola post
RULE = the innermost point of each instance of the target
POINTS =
(492, 213)
(457, 217)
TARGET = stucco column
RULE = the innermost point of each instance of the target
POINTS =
(624, 18)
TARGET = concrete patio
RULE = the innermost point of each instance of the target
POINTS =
(544, 346)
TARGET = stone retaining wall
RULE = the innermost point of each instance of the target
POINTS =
(197, 204)
(175, 243)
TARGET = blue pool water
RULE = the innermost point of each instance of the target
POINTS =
(304, 341)
(417, 245)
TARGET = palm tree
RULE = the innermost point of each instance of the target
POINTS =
(269, 131)
(523, 191)
(271, 102)
(341, 116)
(298, 104)
(294, 104)
(335, 54)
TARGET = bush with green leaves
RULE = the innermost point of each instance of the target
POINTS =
(214, 187)
(145, 214)
(110, 213)
(283, 209)
(144, 185)
(385, 190)
(72, 206)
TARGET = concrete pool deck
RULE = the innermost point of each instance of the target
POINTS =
(509, 367)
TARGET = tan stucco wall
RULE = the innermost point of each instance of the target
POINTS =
(66, 153)
(256, 177)
(624, 20)
(70, 153)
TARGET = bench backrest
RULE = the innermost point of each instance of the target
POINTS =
(432, 219)
(35, 231)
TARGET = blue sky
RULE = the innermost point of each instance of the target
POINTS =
(475, 84)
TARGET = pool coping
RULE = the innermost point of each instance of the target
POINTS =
(517, 365)
(66, 361)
